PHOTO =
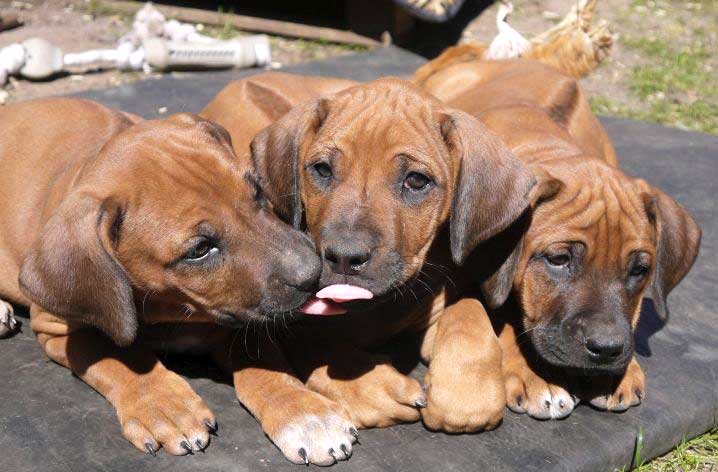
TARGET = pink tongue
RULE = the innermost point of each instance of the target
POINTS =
(343, 293)
(315, 306)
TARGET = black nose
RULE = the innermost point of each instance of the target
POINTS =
(347, 260)
(604, 348)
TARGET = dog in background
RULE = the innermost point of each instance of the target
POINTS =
(597, 241)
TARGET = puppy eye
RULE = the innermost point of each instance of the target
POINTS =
(323, 169)
(639, 270)
(201, 251)
(416, 181)
(558, 260)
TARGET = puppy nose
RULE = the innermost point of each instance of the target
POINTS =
(301, 268)
(347, 260)
(604, 348)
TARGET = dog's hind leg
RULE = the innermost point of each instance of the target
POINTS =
(8, 324)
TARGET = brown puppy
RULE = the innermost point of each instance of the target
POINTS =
(392, 186)
(131, 229)
(598, 241)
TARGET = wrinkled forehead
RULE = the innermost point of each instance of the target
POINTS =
(166, 164)
(602, 208)
(388, 116)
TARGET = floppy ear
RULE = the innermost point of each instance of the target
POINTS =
(505, 248)
(492, 188)
(678, 238)
(72, 272)
(275, 155)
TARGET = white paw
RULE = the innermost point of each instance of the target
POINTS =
(317, 440)
(550, 403)
(8, 324)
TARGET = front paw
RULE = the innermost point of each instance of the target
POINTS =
(464, 403)
(619, 393)
(310, 429)
(528, 393)
(161, 410)
(8, 324)
(378, 398)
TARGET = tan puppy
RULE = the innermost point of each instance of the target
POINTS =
(392, 186)
(598, 241)
(156, 234)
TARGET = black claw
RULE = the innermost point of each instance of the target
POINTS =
(332, 453)
(345, 450)
(303, 455)
(547, 403)
(420, 403)
(639, 394)
(151, 449)
(185, 445)
(200, 445)
(355, 434)
(211, 426)
(519, 400)
(575, 400)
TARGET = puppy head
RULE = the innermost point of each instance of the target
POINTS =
(167, 209)
(375, 171)
(597, 243)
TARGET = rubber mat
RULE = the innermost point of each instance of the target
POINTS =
(51, 421)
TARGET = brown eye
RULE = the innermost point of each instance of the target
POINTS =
(323, 169)
(558, 260)
(639, 270)
(200, 251)
(416, 181)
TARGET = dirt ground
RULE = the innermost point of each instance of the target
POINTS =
(663, 67)
(79, 25)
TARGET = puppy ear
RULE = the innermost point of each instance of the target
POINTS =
(493, 185)
(275, 155)
(71, 270)
(505, 249)
(678, 238)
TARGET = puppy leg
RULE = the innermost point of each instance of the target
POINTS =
(156, 407)
(8, 324)
(618, 393)
(529, 391)
(304, 425)
(374, 393)
(465, 385)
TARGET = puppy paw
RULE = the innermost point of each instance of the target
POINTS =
(318, 431)
(161, 410)
(528, 393)
(466, 403)
(8, 324)
(375, 399)
(618, 394)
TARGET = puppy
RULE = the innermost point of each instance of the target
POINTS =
(124, 237)
(597, 243)
(395, 189)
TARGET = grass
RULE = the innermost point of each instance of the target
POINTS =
(676, 87)
(700, 454)
(674, 81)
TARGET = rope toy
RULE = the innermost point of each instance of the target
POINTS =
(154, 43)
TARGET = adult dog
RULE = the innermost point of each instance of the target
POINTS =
(394, 188)
(598, 240)
(156, 234)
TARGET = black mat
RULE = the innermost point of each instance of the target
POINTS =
(52, 421)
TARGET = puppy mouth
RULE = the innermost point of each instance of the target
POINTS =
(328, 300)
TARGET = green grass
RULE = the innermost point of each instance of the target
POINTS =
(674, 87)
(697, 455)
